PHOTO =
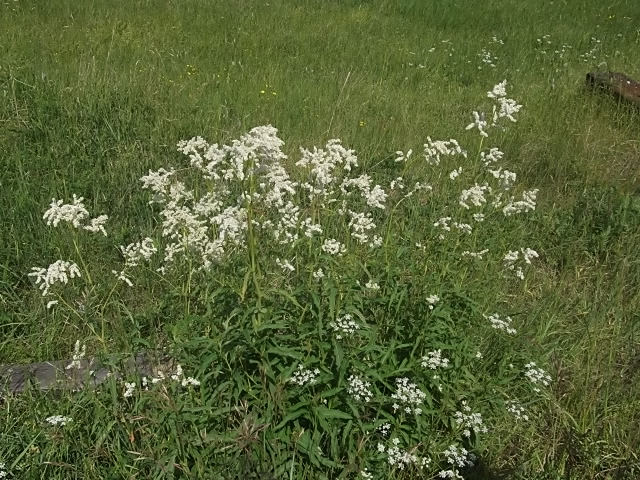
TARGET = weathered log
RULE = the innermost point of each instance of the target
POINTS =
(617, 84)
(87, 373)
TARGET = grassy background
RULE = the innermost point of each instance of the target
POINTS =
(94, 94)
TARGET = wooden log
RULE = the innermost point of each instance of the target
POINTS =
(617, 84)
(88, 373)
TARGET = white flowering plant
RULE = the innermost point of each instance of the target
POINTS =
(340, 315)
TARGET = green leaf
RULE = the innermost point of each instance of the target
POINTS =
(331, 413)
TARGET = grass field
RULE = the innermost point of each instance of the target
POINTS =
(96, 95)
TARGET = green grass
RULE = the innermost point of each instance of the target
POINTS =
(94, 94)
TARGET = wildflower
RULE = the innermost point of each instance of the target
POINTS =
(372, 285)
(474, 196)
(494, 155)
(517, 410)
(435, 150)
(59, 271)
(344, 325)
(501, 323)
(458, 458)
(3, 473)
(537, 376)
(432, 300)
(477, 255)
(402, 157)
(434, 360)
(129, 389)
(470, 421)
(409, 395)
(58, 420)
(510, 259)
(74, 213)
(333, 247)
(359, 389)
(318, 274)
(135, 253)
(455, 173)
(285, 265)
(478, 122)
(507, 178)
(78, 355)
(366, 475)
(384, 429)
(360, 224)
(304, 376)
(51, 303)
(400, 458)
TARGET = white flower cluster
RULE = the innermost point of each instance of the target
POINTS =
(177, 376)
(344, 325)
(528, 203)
(304, 376)
(322, 165)
(359, 389)
(477, 255)
(76, 214)
(60, 271)
(501, 323)
(3, 472)
(409, 396)
(435, 150)
(457, 457)
(513, 256)
(474, 196)
(505, 108)
(371, 285)
(470, 421)
(78, 354)
(432, 300)
(435, 360)
(366, 475)
(129, 388)
(333, 247)
(285, 265)
(537, 376)
(58, 420)
(384, 429)
(517, 410)
(134, 254)
(400, 458)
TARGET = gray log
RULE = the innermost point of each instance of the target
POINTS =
(617, 84)
(55, 375)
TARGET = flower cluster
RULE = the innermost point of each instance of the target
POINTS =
(537, 376)
(434, 360)
(74, 213)
(58, 272)
(58, 420)
(501, 323)
(457, 457)
(176, 376)
(399, 458)
(359, 389)
(304, 376)
(344, 325)
(517, 410)
(78, 354)
(470, 421)
(408, 395)
(513, 256)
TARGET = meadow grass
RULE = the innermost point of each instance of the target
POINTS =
(97, 94)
